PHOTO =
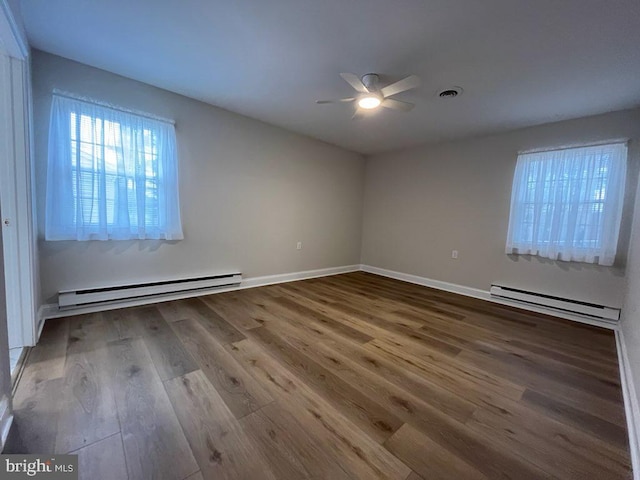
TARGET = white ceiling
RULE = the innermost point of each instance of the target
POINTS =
(520, 62)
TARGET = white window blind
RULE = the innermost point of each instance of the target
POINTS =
(111, 175)
(567, 204)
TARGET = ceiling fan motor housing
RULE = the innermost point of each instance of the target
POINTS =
(370, 80)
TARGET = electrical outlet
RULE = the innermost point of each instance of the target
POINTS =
(454, 253)
(299, 246)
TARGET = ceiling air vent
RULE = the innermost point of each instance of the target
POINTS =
(450, 92)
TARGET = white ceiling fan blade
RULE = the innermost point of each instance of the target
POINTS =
(353, 80)
(412, 81)
(340, 100)
(397, 105)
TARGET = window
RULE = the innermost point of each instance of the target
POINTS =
(567, 204)
(111, 175)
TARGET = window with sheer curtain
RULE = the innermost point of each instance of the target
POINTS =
(112, 174)
(567, 204)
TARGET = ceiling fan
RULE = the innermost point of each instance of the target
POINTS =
(371, 96)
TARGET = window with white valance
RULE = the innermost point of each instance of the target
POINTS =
(112, 174)
(567, 204)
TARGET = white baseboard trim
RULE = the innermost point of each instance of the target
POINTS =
(631, 407)
(52, 310)
(292, 277)
(43, 311)
(485, 295)
(428, 282)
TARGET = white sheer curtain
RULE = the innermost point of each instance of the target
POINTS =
(111, 175)
(567, 204)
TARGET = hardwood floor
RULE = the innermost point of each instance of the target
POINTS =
(353, 376)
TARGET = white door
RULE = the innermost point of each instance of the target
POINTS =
(16, 180)
(5, 375)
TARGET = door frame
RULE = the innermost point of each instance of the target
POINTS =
(16, 184)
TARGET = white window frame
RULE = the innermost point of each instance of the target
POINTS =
(564, 209)
(115, 160)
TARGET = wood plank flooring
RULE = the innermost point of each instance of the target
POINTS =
(353, 376)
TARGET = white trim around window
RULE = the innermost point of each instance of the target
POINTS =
(112, 174)
(567, 204)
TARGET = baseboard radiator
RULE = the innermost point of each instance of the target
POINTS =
(556, 303)
(75, 298)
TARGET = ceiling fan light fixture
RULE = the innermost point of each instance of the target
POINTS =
(370, 96)
(369, 102)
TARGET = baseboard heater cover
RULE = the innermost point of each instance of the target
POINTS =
(74, 298)
(556, 303)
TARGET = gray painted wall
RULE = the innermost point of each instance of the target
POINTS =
(248, 192)
(422, 203)
(630, 321)
(16, 11)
